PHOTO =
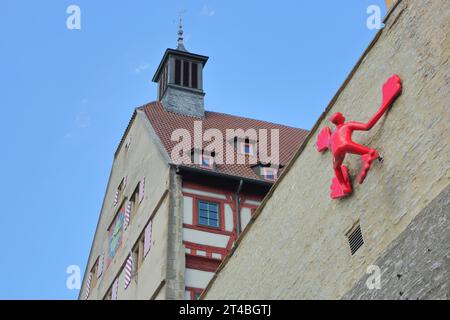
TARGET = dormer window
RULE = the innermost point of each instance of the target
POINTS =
(247, 148)
(186, 73)
(206, 161)
(269, 174)
(202, 158)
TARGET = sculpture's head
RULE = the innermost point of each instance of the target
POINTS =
(337, 118)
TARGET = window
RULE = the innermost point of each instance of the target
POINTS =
(269, 173)
(134, 201)
(194, 293)
(166, 77)
(197, 295)
(193, 156)
(163, 82)
(202, 158)
(208, 214)
(138, 253)
(186, 74)
(112, 292)
(119, 191)
(207, 161)
(178, 72)
(122, 184)
(247, 148)
(194, 74)
(94, 272)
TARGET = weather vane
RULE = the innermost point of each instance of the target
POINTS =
(180, 45)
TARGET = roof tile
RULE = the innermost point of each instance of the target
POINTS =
(165, 122)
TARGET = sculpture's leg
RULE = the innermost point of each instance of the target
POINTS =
(338, 170)
(359, 149)
(340, 186)
(367, 157)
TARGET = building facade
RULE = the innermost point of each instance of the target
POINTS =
(391, 238)
(175, 203)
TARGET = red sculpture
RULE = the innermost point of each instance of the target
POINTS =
(340, 141)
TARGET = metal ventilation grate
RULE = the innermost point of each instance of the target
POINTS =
(355, 239)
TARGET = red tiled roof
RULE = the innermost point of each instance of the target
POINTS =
(165, 122)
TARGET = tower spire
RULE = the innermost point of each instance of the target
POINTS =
(180, 36)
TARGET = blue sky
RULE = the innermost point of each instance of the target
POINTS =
(67, 96)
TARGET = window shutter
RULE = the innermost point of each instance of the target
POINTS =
(127, 215)
(100, 266)
(88, 285)
(116, 197)
(115, 288)
(141, 190)
(148, 238)
(128, 271)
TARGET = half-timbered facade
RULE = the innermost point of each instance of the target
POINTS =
(166, 224)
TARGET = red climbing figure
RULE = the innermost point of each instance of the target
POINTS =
(340, 141)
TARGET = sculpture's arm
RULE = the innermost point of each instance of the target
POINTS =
(367, 126)
(359, 125)
(391, 89)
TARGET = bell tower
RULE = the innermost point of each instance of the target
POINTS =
(180, 80)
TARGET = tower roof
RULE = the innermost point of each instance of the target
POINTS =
(176, 52)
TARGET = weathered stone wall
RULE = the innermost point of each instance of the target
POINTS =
(143, 159)
(175, 250)
(185, 101)
(416, 265)
(297, 246)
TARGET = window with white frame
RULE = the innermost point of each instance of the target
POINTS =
(269, 174)
(247, 147)
(206, 161)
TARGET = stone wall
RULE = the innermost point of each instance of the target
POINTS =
(184, 101)
(296, 247)
(416, 265)
(143, 159)
(176, 258)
